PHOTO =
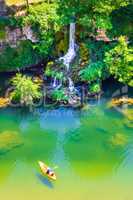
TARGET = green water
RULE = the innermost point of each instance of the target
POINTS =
(92, 151)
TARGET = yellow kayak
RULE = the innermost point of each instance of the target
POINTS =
(46, 170)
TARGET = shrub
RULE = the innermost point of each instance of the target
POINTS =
(59, 95)
(25, 90)
(120, 61)
(93, 72)
(95, 88)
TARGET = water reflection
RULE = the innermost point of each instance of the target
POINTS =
(45, 181)
(61, 121)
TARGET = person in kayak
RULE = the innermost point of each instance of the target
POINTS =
(49, 172)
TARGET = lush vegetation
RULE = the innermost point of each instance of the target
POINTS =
(59, 96)
(103, 36)
(15, 58)
(25, 90)
(44, 20)
(120, 62)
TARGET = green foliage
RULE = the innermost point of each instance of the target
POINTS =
(4, 21)
(89, 13)
(11, 21)
(93, 72)
(122, 22)
(59, 95)
(44, 20)
(95, 88)
(2, 33)
(103, 22)
(26, 91)
(22, 56)
(53, 71)
(120, 61)
(59, 75)
(49, 72)
(97, 49)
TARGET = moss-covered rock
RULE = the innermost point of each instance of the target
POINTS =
(61, 42)
(119, 139)
(61, 47)
(84, 54)
(9, 140)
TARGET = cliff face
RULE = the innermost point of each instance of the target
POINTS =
(16, 48)
(3, 8)
(12, 35)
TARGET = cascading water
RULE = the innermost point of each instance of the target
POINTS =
(67, 59)
(70, 55)
(71, 85)
(59, 85)
(55, 82)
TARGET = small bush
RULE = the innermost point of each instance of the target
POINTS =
(95, 88)
(59, 95)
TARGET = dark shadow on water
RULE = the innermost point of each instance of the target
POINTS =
(45, 181)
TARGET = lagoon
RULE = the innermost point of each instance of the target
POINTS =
(91, 149)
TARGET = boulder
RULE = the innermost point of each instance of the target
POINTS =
(9, 140)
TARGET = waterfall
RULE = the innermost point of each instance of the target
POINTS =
(71, 85)
(59, 84)
(70, 55)
(72, 37)
(67, 59)
(55, 82)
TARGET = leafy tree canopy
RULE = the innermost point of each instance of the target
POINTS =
(90, 13)
(120, 61)
(44, 19)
